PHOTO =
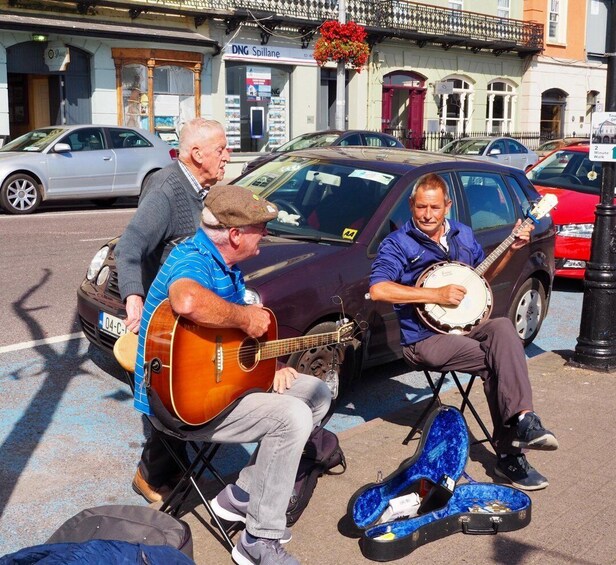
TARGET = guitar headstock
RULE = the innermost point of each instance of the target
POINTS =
(542, 207)
(346, 330)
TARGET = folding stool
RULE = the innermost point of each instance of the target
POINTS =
(464, 392)
(125, 352)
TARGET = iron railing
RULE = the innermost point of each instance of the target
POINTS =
(433, 141)
(387, 18)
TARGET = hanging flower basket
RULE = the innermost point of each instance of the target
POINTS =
(342, 43)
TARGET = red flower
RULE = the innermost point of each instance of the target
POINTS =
(344, 43)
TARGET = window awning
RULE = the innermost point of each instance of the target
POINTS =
(89, 28)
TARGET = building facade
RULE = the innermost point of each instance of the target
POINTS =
(566, 82)
(443, 66)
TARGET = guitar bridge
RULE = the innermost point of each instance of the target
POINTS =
(218, 359)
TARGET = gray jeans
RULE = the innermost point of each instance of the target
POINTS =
(281, 424)
(493, 351)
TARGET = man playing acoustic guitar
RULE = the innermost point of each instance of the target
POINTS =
(491, 349)
(204, 286)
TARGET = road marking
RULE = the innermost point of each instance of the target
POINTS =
(35, 343)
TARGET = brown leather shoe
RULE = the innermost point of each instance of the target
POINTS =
(150, 493)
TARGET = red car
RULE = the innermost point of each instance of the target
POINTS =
(576, 181)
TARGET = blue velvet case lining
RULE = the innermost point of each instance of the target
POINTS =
(443, 450)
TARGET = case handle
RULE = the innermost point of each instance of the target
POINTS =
(495, 522)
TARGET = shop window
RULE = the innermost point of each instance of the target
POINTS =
(135, 95)
(160, 89)
(256, 107)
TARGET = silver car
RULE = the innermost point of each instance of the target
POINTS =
(504, 150)
(78, 162)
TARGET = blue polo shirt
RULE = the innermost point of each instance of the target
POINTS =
(197, 259)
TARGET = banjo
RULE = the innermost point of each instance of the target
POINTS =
(476, 305)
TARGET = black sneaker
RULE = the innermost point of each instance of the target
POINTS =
(517, 470)
(531, 434)
(228, 506)
(262, 551)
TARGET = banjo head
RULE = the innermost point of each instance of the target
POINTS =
(475, 307)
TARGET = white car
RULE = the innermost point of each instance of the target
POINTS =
(78, 162)
(504, 150)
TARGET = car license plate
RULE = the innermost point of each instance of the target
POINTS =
(110, 324)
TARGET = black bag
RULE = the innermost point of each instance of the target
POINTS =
(322, 453)
(121, 522)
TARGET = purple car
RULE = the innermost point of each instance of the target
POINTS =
(336, 206)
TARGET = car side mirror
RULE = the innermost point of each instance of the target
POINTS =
(62, 148)
(494, 151)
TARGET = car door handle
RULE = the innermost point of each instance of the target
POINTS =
(106, 158)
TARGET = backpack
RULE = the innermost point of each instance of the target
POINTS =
(322, 453)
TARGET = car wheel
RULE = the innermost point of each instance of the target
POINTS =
(145, 181)
(528, 310)
(340, 361)
(20, 194)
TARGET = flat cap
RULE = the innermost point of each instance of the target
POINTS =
(235, 206)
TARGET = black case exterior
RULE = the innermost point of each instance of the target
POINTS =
(473, 508)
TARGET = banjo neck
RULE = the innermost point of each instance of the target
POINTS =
(489, 260)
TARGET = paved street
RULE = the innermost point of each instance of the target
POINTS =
(69, 438)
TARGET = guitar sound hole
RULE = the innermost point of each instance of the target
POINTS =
(249, 353)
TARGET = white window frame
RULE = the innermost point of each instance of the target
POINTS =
(505, 124)
(556, 24)
(503, 8)
(462, 122)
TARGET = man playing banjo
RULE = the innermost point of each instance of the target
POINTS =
(490, 349)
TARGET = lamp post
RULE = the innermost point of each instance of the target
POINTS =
(340, 77)
(596, 344)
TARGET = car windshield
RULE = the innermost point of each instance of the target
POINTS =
(34, 141)
(568, 169)
(309, 140)
(319, 200)
(466, 147)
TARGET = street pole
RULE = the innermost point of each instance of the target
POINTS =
(340, 77)
(596, 344)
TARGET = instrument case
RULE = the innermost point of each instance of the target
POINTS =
(446, 508)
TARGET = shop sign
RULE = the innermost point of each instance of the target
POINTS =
(265, 53)
(57, 57)
(603, 137)
(443, 87)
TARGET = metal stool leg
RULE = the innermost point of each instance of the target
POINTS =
(435, 396)
(466, 402)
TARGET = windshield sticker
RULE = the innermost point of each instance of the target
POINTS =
(349, 233)
(285, 218)
(372, 175)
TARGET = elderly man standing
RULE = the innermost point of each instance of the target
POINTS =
(203, 284)
(169, 211)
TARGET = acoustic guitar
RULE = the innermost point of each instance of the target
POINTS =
(198, 372)
(476, 306)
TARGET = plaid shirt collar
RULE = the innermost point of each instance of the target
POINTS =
(200, 190)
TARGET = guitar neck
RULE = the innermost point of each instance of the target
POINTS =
(282, 347)
(492, 257)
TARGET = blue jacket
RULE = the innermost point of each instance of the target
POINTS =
(406, 253)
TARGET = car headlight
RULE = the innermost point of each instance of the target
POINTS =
(583, 231)
(97, 262)
(251, 296)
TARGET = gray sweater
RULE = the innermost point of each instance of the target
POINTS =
(169, 209)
